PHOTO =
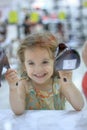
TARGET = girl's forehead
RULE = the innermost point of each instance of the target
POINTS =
(38, 51)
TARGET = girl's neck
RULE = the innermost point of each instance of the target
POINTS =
(45, 86)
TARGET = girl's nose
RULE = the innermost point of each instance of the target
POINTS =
(38, 68)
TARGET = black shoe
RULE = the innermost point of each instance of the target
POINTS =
(66, 58)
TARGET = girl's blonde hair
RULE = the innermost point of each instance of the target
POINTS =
(43, 39)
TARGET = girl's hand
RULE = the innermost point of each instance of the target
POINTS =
(12, 77)
(65, 78)
(65, 75)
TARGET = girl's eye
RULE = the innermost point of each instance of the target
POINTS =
(45, 62)
(31, 63)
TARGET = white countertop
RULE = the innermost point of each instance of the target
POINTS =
(44, 120)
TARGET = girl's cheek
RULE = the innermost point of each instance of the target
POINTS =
(29, 70)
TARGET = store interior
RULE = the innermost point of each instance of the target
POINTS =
(20, 18)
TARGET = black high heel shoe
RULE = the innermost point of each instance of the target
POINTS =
(3, 62)
(66, 58)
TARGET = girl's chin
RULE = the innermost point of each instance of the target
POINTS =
(39, 81)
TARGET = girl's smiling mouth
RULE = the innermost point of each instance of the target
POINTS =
(40, 75)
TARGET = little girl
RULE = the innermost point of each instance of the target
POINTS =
(40, 87)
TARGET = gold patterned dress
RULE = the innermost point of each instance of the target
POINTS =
(45, 100)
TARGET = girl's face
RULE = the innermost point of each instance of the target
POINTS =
(39, 64)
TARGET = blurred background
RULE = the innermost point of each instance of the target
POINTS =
(67, 19)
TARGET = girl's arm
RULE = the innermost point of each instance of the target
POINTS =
(69, 90)
(16, 91)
